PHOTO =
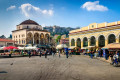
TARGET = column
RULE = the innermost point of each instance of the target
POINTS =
(88, 42)
(75, 43)
(106, 42)
(33, 39)
(69, 43)
(97, 43)
(81, 44)
(39, 39)
(117, 40)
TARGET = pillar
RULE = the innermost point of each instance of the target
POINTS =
(81, 44)
(117, 40)
(106, 42)
(88, 42)
(75, 43)
(33, 39)
(97, 43)
(70, 44)
(39, 39)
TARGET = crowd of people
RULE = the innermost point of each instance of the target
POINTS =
(45, 52)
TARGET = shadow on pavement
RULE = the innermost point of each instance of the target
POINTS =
(2, 72)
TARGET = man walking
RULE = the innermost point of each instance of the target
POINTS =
(46, 53)
(66, 52)
(29, 53)
(59, 53)
(40, 53)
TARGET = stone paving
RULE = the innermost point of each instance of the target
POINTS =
(74, 68)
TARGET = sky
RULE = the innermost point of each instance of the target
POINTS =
(64, 13)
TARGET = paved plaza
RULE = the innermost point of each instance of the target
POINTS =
(74, 68)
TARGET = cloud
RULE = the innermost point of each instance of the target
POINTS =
(94, 6)
(11, 8)
(29, 10)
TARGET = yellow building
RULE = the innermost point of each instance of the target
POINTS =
(95, 35)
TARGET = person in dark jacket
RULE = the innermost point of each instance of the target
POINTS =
(40, 51)
(29, 53)
(46, 52)
(66, 53)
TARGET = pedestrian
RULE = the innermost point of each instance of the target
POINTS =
(40, 53)
(46, 52)
(59, 53)
(66, 52)
(29, 53)
(111, 56)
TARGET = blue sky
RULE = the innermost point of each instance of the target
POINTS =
(65, 13)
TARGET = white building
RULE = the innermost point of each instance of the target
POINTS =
(30, 32)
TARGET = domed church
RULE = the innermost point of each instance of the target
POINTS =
(30, 32)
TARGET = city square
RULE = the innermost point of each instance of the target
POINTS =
(59, 40)
(73, 68)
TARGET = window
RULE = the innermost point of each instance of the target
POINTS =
(92, 26)
(22, 41)
(19, 41)
(27, 27)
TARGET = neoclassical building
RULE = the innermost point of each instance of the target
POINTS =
(30, 32)
(95, 35)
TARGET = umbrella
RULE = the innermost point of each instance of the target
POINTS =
(10, 47)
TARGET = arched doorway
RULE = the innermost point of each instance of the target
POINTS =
(78, 42)
(92, 41)
(101, 41)
(42, 38)
(72, 42)
(36, 38)
(111, 38)
(29, 38)
(46, 38)
(85, 42)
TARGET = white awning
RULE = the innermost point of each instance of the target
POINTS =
(61, 46)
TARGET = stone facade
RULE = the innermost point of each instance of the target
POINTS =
(30, 32)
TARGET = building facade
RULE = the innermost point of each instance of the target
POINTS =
(6, 42)
(95, 34)
(64, 41)
(30, 32)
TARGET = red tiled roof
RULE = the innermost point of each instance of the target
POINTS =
(6, 40)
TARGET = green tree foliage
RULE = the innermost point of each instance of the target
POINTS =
(3, 36)
(58, 38)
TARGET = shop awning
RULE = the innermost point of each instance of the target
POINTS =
(60, 46)
(112, 46)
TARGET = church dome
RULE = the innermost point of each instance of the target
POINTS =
(29, 22)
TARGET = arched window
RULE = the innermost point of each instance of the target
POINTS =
(22, 41)
(78, 42)
(111, 38)
(101, 41)
(92, 41)
(72, 42)
(85, 42)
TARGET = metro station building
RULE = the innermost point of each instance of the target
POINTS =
(95, 34)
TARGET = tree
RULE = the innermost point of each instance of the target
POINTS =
(3, 36)
(58, 38)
